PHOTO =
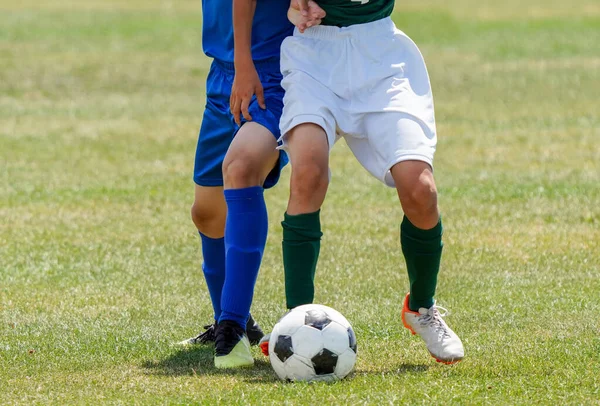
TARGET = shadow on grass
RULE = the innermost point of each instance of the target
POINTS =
(199, 361)
(409, 368)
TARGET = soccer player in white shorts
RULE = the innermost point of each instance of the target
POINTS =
(357, 77)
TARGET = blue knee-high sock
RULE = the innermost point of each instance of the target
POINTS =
(213, 252)
(245, 239)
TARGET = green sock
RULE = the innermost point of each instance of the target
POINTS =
(422, 251)
(301, 246)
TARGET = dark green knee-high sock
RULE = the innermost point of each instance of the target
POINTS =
(422, 251)
(301, 246)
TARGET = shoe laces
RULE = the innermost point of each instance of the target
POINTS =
(432, 318)
(208, 335)
(227, 335)
(228, 331)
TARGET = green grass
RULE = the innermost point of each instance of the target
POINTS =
(100, 102)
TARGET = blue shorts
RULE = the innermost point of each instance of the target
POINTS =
(218, 127)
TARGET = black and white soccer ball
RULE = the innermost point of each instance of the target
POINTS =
(312, 343)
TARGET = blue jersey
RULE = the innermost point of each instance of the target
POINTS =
(269, 28)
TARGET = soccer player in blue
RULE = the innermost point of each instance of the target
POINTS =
(236, 158)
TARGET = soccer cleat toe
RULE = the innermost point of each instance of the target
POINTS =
(206, 337)
(264, 344)
(442, 343)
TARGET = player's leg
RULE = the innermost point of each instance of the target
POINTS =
(421, 229)
(308, 128)
(401, 145)
(209, 211)
(421, 240)
(251, 157)
(209, 208)
(411, 175)
(208, 214)
(308, 125)
(403, 160)
(399, 152)
(252, 164)
(307, 146)
(308, 149)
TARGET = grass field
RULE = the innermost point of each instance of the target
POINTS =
(100, 102)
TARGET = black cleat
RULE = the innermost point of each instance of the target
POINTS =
(206, 337)
(253, 331)
(232, 348)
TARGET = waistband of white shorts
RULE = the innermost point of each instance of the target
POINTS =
(382, 26)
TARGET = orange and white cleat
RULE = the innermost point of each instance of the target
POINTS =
(443, 344)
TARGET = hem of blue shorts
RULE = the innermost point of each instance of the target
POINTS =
(267, 185)
(208, 182)
(269, 182)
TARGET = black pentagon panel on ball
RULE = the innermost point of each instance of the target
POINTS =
(352, 339)
(324, 362)
(317, 319)
(283, 347)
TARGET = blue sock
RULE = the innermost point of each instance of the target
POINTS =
(245, 238)
(213, 252)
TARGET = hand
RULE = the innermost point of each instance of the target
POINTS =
(305, 13)
(245, 84)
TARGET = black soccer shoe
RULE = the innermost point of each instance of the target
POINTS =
(206, 337)
(232, 348)
(253, 331)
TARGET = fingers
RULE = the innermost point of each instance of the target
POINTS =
(296, 18)
(316, 12)
(234, 106)
(303, 6)
(260, 97)
(242, 93)
(313, 16)
(314, 22)
(244, 107)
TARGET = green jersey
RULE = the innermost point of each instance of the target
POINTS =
(343, 13)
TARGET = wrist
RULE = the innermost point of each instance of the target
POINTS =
(243, 61)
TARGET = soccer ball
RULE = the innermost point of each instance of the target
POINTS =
(312, 343)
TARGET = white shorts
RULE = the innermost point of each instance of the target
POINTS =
(366, 83)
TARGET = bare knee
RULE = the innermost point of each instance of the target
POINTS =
(251, 156)
(417, 192)
(240, 172)
(422, 196)
(308, 187)
(309, 156)
(208, 218)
